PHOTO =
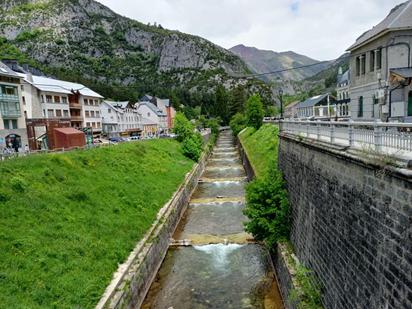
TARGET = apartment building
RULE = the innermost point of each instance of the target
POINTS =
(380, 66)
(13, 134)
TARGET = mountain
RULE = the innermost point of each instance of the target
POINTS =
(84, 41)
(262, 61)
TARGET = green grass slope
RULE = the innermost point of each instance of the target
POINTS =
(261, 147)
(68, 220)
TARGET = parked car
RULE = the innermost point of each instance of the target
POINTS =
(134, 138)
(115, 140)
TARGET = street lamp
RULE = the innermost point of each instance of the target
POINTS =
(281, 103)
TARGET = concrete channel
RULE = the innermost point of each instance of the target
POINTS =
(212, 262)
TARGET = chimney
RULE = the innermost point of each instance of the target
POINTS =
(29, 77)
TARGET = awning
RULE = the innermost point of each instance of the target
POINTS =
(400, 74)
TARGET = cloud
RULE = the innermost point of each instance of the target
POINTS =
(321, 29)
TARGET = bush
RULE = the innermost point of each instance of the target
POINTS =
(237, 123)
(192, 146)
(182, 127)
(254, 112)
(267, 208)
(213, 124)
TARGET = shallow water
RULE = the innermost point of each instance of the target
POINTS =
(223, 268)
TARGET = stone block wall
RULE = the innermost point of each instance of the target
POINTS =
(351, 225)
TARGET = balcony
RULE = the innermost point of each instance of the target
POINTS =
(76, 118)
(10, 110)
(9, 98)
(75, 105)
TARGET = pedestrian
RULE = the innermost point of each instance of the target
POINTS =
(26, 149)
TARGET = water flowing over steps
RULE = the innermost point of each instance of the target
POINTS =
(212, 262)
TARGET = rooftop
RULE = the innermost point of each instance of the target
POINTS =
(312, 101)
(6, 71)
(54, 85)
(399, 18)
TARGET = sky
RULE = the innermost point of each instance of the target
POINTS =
(320, 29)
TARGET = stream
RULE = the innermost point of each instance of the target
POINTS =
(223, 267)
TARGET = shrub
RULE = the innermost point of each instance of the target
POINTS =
(182, 127)
(237, 123)
(254, 112)
(192, 146)
(267, 208)
(213, 124)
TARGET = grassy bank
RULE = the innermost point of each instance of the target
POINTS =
(68, 220)
(261, 147)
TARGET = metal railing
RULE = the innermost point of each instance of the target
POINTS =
(380, 136)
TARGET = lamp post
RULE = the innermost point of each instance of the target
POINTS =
(281, 103)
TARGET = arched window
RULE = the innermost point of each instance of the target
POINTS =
(360, 107)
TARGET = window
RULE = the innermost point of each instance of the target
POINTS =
(92, 114)
(49, 99)
(42, 98)
(372, 61)
(56, 99)
(87, 124)
(97, 114)
(86, 102)
(99, 125)
(109, 110)
(66, 113)
(357, 66)
(148, 114)
(6, 124)
(10, 91)
(50, 113)
(379, 59)
(410, 103)
(96, 102)
(360, 107)
(58, 112)
(363, 64)
(87, 114)
(94, 124)
(24, 100)
(22, 87)
(64, 100)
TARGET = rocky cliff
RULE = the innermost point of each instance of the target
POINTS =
(85, 41)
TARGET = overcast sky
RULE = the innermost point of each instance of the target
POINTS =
(321, 29)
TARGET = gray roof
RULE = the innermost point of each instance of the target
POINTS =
(59, 86)
(344, 77)
(404, 72)
(6, 71)
(399, 18)
(312, 101)
(154, 108)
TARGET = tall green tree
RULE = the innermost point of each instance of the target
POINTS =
(254, 112)
(238, 100)
(222, 100)
(182, 127)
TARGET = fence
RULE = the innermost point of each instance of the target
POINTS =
(380, 136)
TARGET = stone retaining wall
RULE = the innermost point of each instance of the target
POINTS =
(351, 224)
(134, 278)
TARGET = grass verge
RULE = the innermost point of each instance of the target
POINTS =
(261, 147)
(68, 220)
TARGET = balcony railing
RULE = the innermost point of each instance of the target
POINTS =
(8, 97)
(379, 136)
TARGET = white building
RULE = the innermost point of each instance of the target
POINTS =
(45, 97)
(342, 95)
(154, 114)
(119, 118)
(13, 132)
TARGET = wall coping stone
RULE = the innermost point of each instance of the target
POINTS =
(354, 156)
